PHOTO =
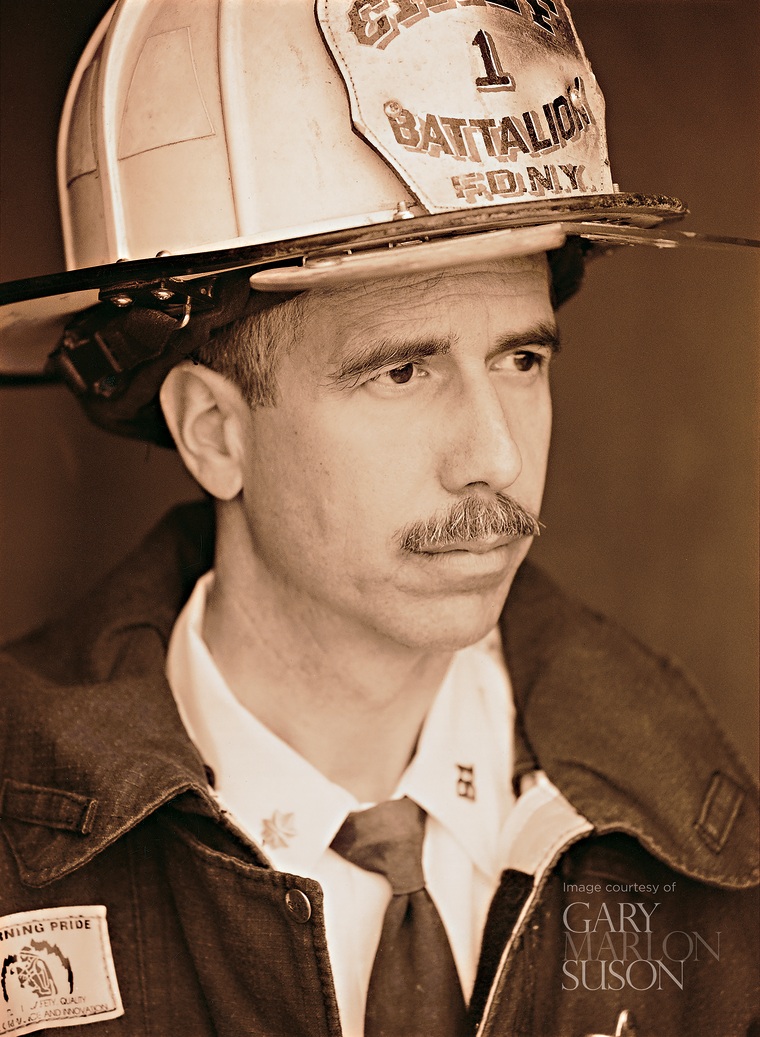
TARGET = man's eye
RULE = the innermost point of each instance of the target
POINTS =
(401, 375)
(397, 375)
(526, 360)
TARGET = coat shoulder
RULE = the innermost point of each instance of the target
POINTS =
(627, 736)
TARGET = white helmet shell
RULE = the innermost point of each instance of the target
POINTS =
(308, 142)
(198, 125)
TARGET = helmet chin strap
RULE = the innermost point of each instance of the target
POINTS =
(115, 355)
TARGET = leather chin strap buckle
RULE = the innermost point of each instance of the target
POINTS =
(170, 295)
(132, 324)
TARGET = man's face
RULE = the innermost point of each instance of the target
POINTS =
(400, 400)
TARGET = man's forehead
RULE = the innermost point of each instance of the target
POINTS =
(417, 293)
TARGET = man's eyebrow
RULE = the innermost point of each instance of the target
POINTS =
(542, 334)
(393, 352)
(396, 352)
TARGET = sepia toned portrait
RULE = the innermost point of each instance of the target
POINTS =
(379, 567)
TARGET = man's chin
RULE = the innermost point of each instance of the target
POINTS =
(456, 623)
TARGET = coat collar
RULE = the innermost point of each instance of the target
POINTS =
(626, 737)
(94, 743)
(90, 748)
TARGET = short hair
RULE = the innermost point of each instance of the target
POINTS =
(248, 350)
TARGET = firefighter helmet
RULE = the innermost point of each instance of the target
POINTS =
(278, 145)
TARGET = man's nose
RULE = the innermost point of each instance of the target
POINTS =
(480, 446)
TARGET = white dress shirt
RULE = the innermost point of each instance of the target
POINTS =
(459, 775)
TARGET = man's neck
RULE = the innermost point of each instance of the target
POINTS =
(350, 703)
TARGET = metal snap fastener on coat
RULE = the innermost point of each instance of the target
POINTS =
(298, 904)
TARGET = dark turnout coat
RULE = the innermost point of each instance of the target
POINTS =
(106, 801)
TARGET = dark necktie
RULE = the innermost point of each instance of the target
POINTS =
(414, 988)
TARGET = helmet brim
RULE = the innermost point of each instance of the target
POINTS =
(34, 311)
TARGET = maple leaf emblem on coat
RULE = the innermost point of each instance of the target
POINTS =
(278, 830)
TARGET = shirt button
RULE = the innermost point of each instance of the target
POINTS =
(298, 905)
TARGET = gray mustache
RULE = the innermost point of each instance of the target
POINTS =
(472, 518)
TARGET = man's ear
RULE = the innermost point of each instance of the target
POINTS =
(204, 411)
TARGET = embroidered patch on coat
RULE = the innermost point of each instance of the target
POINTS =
(56, 969)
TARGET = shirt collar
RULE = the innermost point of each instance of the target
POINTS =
(284, 803)
(460, 773)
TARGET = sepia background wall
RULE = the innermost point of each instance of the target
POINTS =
(651, 510)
